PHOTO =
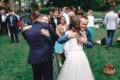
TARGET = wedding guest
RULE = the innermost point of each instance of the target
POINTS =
(79, 8)
(83, 26)
(18, 23)
(54, 20)
(3, 22)
(80, 13)
(90, 25)
(74, 10)
(66, 15)
(111, 22)
(12, 21)
(60, 30)
(45, 19)
(63, 10)
(50, 13)
(41, 52)
(29, 19)
(30, 10)
(22, 17)
(71, 13)
(60, 14)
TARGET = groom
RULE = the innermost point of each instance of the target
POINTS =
(40, 50)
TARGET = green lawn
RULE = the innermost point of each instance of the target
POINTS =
(13, 58)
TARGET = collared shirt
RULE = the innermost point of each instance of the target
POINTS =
(111, 21)
(11, 20)
(67, 18)
(3, 18)
(55, 20)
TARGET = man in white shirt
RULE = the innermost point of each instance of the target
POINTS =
(66, 15)
(111, 22)
(3, 22)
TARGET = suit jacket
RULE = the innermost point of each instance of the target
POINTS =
(88, 35)
(14, 21)
(111, 21)
(53, 23)
(0, 18)
(40, 48)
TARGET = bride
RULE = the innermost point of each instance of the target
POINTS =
(76, 65)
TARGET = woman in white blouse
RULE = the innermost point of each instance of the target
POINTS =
(90, 25)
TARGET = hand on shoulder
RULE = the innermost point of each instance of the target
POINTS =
(72, 34)
(45, 32)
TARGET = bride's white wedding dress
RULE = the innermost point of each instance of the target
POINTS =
(76, 65)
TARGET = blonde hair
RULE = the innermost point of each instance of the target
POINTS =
(90, 12)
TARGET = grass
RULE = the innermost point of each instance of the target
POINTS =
(13, 58)
(99, 56)
(97, 14)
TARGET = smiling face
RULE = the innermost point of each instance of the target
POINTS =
(45, 19)
(83, 24)
(56, 13)
(62, 20)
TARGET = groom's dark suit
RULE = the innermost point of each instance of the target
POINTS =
(40, 50)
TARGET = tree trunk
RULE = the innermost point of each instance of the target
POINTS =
(19, 4)
(12, 4)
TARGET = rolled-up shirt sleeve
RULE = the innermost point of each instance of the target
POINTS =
(62, 39)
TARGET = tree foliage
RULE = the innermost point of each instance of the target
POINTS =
(6, 1)
(84, 4)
